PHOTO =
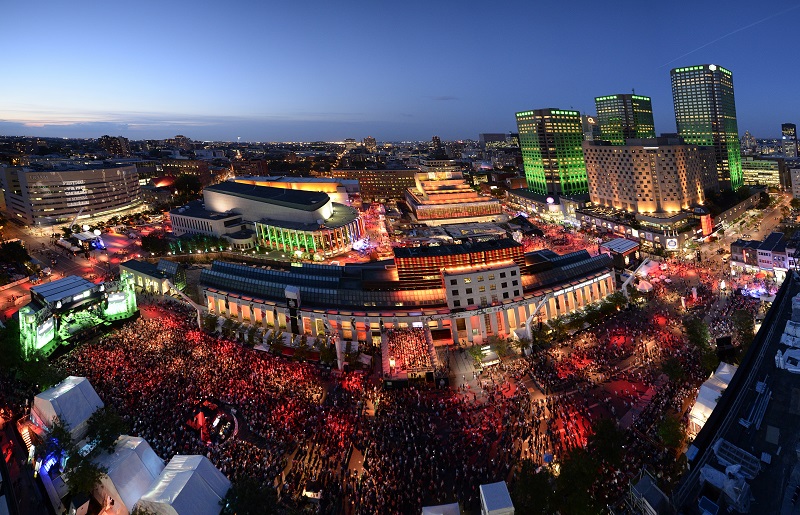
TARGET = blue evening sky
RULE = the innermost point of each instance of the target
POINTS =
(322, 70)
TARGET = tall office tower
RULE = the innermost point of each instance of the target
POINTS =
(789, 135)
(705, 113)
(591, 131)
(552, 155)
(624, 116)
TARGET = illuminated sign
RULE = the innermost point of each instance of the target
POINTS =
(672, 244)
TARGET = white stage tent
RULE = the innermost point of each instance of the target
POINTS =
(188, 485)
(442, 509)
(495, 499)
(708, 395)
(71, 402)
(131, 469)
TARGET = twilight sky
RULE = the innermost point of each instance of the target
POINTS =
(322, 70)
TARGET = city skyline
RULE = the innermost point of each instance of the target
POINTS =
(290, 73)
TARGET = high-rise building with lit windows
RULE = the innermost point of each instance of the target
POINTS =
(625, 116)
(705, 113)
(789, 136)
(552, 154)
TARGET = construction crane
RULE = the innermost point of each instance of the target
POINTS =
(76, 218)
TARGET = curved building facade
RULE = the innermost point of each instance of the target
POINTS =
(484, 289)
(49, 197)
(292, 221)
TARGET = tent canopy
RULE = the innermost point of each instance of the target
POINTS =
(72, 402)
(496, 499)
(132, 468)
(188, 485)
(442, 509)
(644, 287)
(710, 392)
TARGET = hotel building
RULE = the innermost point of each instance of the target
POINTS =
(48, 197)
(658, 175)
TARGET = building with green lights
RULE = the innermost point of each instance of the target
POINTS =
(705, 113)
(552, 154)
(62, 310)
(625, 116)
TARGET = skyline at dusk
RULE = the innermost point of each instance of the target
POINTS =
(325, 71)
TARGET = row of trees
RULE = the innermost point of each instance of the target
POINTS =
(538, 491)
(186, 244)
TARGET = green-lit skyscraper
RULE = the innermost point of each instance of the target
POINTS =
(624, 116)
(705, 114)
(552, 154)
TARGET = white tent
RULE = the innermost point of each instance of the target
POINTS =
(71, 402)
(495, 499)
(708, 395)
(188, 485)
(131, 469)
(644, 287)
(442, 509)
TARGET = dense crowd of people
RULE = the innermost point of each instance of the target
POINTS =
(410, 348)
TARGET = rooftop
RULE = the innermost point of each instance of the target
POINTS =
(61, 289)
(451, 250)
(295, 199)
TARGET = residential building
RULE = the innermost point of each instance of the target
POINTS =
(705, 114)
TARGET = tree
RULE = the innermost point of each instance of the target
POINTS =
(578, 472)
(210, 323)
(83, 476)
(795, 203)
(104, 427)
(247, 496)
(672, 367)
(670, 431)
(696, 331)
(10, 346)
(558, 329)
(59, 439)
(327, 354)
(476, 353)
(13, 252)
(523, 344)
(188, 186)
(533, 491)
(606, 442)
(744, 326)
(499, 344)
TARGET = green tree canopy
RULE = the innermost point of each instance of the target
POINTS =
(533, 491)
(247, 496)
(105, 426)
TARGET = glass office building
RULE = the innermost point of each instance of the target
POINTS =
(552, 154)
(705, 114)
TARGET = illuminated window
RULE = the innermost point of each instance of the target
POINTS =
(480, 278)
(467, 280)
(482, 289)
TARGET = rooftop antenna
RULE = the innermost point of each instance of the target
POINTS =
(633, 90)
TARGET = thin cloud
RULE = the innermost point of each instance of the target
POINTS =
(444, 98)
